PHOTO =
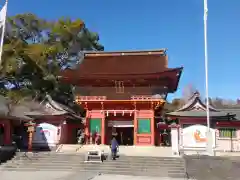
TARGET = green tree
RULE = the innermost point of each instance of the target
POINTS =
(35, 50)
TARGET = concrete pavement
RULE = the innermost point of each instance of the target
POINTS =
(121, 177)
(45, 175)
(68, 175)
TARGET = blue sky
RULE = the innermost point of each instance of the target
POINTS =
(153, 24)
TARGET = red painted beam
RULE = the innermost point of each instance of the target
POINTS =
(228, 123)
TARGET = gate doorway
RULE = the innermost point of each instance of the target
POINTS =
(2, 134)
(124, 135)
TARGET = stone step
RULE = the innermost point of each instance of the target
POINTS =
(136, 157)
(178, 174)
(147, 172)
(119, 160)
(99, 166)
(114, 163)
(95, 166)
(106, 160)
(92, 164)
(105, 152)
(82, 155)
(76, 159)
(82, 164)
(53, 155)
(124, 165)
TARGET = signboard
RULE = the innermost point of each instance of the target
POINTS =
(195, 136)
(120, 123)
(46, 135)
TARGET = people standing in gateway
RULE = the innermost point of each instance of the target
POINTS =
(81, 136)
(1, 134)
(165, 138)
(114, 148)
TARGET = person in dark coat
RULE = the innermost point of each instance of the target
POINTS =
(114, 147)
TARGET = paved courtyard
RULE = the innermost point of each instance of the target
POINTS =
(121, 177)
(213, 168)
(60, 175)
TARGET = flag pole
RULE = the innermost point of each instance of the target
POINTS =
(206, 62)
(3, 33)
(209, 136)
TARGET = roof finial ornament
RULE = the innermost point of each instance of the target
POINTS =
(194, 95)
(197, 93)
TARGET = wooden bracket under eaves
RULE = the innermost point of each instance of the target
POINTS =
(119, 86)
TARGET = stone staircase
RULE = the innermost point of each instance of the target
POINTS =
(123, 150)
(74, 162)
(68, 148)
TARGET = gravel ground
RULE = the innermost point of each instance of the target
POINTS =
(213, 168)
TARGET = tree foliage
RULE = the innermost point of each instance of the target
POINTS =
(35, 50)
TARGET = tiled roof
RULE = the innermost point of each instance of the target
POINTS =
(232, 111)
(196, 108)
(61, 108)
(195, 103)
(198, 114)
(29, 109)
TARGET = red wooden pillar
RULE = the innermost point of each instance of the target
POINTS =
(135, 128)
(8, 133)
(103, 130)
(152, 129)
(7, 139)
(87, 133)
(63, 133)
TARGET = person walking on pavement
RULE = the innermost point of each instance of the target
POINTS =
(114, 147)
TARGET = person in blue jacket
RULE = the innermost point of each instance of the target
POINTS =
(114, 147)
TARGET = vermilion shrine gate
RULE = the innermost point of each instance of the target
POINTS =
(121, 91)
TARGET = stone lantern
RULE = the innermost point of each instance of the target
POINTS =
(31, 128)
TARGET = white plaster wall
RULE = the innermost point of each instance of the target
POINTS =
(45, 135)
(227, 144)
(222, 144)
